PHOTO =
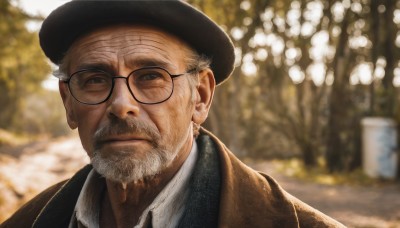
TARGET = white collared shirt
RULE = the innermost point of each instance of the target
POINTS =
(165, 211)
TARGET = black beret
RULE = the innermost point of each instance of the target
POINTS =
(78, 17)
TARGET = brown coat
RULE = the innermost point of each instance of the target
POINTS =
(247, 199)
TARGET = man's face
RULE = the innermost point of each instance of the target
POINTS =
(127, 140)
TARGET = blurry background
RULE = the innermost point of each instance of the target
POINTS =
(307, 73)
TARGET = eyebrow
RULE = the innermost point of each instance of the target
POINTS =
(99, 66)
(148, 62)
(134, 64)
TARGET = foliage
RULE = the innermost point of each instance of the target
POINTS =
(308, 90)
(23, 67)
(46, 114)
(10, 139)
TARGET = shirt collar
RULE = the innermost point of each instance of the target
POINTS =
(165, 210)
(168, 207)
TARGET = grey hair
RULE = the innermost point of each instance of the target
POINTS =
(62, 71)
(196, 62)
(60, 74)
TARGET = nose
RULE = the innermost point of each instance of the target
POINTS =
(121, 103)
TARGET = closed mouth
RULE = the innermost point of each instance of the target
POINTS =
(123, 139)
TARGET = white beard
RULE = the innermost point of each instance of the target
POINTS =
(124, 167)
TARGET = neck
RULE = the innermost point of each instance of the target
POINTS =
(125, 202)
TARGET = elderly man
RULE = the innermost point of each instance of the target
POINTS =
(137, 80)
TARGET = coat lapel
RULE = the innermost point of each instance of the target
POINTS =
(58, 211)
(247, 198)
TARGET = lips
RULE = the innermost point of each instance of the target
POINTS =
(123, 139)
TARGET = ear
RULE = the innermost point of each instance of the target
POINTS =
(67, 100)
(205, 92)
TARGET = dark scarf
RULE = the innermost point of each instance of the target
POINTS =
(203, 202)
(201, 210)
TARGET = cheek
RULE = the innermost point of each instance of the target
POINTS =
(174, 117)
(89, 119)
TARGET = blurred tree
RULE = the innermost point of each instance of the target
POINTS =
(338, 118)
(253, 107)
(366, 57)
(22, 65)
(230, 97)
(308, 72)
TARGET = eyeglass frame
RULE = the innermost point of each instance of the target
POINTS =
(127, 83)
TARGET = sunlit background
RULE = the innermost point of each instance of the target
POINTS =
(308, 72)
(320, 50)
(42, 8)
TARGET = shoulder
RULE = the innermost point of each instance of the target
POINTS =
(49, 204)
(255, 199)
(307, 215)
(30, 210)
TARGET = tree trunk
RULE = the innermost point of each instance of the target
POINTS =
(335, 148)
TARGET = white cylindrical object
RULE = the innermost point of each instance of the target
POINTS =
(379, 143)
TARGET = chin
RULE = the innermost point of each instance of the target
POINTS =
(120, 167)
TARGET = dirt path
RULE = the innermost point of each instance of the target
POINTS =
(27, 170)
(38, 165)
(354, 206)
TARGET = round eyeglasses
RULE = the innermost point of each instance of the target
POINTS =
(148, 85)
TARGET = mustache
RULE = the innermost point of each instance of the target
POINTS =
(118, 126)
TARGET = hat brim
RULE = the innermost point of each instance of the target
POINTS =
(76, 18)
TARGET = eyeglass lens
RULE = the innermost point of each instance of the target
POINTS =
(147, 85)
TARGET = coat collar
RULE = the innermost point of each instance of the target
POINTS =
(224, 191)
(203, 201)
(58, 211)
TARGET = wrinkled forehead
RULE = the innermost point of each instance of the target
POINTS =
(129, 42)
